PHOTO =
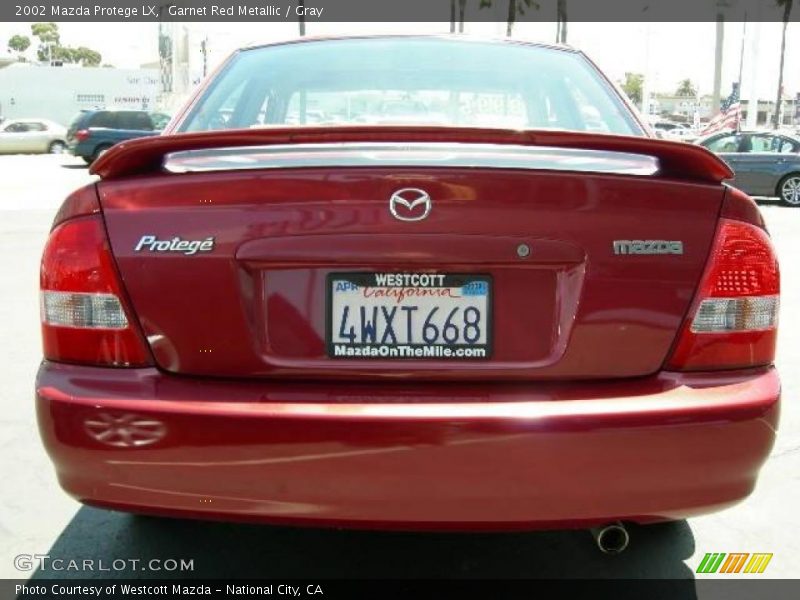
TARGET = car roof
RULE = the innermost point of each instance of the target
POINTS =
(25, 119)
(787, 134)
(448, 37)
(764, 132)
(32, 119)
(755, 132)
(115, 110)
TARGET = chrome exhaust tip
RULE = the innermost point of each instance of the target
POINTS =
(612, 538)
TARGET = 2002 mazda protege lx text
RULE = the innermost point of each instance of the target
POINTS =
(409, 282)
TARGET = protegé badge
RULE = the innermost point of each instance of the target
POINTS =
(152, 244)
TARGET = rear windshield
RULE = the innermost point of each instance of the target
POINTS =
(103, 119)
(398, 81)
(135, 120)
(77, 122)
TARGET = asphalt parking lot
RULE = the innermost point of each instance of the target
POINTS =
(36, 517)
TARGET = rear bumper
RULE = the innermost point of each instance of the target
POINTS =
(408, 454)
(80, 149)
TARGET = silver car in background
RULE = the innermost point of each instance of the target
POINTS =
(765, 163)
(680, 132)
(32, 136)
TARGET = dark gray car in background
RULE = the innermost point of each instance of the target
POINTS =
(766, 163)
(95, 131)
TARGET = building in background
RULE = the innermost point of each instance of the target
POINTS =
(59, 93)
(681, 109)
(180, 59)
(766, 110)
(6, 59)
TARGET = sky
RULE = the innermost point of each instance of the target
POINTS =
(668, 52)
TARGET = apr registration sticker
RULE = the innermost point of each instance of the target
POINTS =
(409, 316)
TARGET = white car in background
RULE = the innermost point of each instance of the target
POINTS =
(32, 136)
(674, 131)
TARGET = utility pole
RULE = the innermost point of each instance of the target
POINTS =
(715, 101)
(204, 50)
(741, 52)
(787, 11)
(753, 71)
(646, 83)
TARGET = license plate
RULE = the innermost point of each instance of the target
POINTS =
(409, 316)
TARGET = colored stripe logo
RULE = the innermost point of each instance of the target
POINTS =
(734, 562)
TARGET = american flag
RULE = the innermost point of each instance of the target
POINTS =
(730, 113)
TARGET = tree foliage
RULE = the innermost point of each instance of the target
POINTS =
(686, 88)
(457, 11)
(50, 47)
(87, 57)
(19, 43)
(46, 32)
(515, 7)
(632, 86)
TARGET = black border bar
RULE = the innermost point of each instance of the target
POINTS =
(497, 11)
(413, 589)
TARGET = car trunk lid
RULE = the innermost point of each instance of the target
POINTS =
(577, 248)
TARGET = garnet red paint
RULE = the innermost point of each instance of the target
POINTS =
(683, 161)
(414, 455)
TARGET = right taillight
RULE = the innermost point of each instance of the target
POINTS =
(734, 317)
(82, 135)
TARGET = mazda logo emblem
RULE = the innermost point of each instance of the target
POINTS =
(410, 204)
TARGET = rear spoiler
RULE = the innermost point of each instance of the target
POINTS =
(676, 160)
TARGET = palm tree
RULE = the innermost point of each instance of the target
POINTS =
(632, 86)
(462, 8)
(301, 19)
(787, 11)
(686, 88)
(515, 7)
(561, 19)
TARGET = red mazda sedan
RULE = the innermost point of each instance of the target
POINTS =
(409, 282)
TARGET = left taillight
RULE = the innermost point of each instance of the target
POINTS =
(84, 313)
